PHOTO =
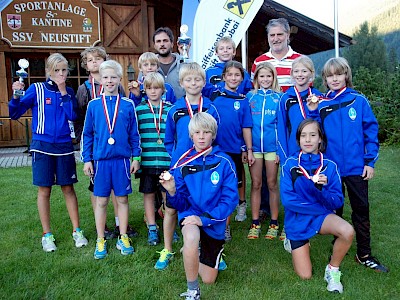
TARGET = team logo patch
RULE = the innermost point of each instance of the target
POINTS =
(214, 177)
(236, 105)
(48, 100)
(352, 114)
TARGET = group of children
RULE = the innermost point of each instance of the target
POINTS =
(192, 151)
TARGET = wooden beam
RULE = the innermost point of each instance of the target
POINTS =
(145, 26)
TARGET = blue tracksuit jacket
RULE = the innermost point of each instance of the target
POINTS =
(50, 111)
(207, 187)
(264, 106)
(306, 203)
(289, 118)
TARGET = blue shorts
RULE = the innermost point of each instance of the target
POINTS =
(48, 170)
(112, 174)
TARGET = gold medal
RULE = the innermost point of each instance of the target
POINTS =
(314, 99)
(135, 84)
(159, 141)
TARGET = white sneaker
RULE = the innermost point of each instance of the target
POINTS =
(79, 239)
(48, 243)
(241, 212)
(332, 277)
(191, 294)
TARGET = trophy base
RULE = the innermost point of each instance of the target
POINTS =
(19, 93)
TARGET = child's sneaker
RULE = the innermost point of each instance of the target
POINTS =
(222, 264)
(79, 238)
(241, 212)
(191, 294)
(48, 243)
(371, 263)
(228, 236)
(254, 232)
(130, 231)
(282, 237)
(272, 232)
(152, 237)
(124, 245)
(165, 257)
(332, 277)
(101, 249)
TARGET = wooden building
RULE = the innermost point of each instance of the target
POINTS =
(125, 30)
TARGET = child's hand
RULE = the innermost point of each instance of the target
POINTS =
(134, 88)
(17, 85)
(312, 102)
(277, 160)
(135, 166)
(192, 220)
(250, 158)
(322, 179)
(60, 81)
(368, 173)
(244, 157)
(88, 169)
(168, 182)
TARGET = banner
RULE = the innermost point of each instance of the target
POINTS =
(215, 19)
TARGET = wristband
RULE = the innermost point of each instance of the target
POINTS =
(138, 158)
(249, 149)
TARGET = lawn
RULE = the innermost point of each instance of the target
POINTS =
(257, 269)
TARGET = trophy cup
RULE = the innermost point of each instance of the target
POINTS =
(24, 64)
(184, 40)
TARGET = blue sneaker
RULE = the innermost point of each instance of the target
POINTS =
(152, 237)
(101, 249)
(222, 264)
(176, 237)
(124, 244)
(163, 261)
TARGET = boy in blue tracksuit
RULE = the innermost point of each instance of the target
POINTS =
(110, 139)
(53, 104)
(148, 62)
(351, 130)
(202, 215)
(225, 49)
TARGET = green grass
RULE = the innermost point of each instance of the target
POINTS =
(257, 269)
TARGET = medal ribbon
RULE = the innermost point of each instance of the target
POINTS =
(302, 109)
(189, 107)
(316, 173)
(157, 126)
(341, 91)
(185, 160)
(101, 90)
(110, 126)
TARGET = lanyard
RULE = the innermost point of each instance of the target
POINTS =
(315, 177)
(341, 91)
(189, 107)
(184, 160)
(301, 104)
(110, 124)
(157, 126)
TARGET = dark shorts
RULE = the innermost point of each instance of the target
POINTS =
(150, 183)
(297, 244)
(48, 170)
(237, 160)
(210, 249)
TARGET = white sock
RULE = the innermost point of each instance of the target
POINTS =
(116, 221)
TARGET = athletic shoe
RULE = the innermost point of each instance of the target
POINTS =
(372, 263)
(165, 257)
(191, 294)
(101, 249)
(79, 238)
(332, 277)
(124, 245)
(152, 237)
(241, 212)
(282, 237)
(222, 264)
(176, 237)
(272, 232)
(48, 243)
(130, 231)
(287, 245)
(254, 232)
(228, 236)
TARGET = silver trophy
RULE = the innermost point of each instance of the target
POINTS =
(184, 40)
(24, 64)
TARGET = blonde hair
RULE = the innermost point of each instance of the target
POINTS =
(52, 62)
(111, 64)
(227, 40)
(267, 66)
(148, 56)
(154, 79)
(305, 61)
(337, 66)
(192, 68)
(203, 121)
(100, 51)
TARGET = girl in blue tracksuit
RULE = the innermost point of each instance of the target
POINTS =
(53, 104)
(202, 215)
(293, 107)
(311, 191)
(264, 102)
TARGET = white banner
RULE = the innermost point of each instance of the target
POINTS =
(217, 18)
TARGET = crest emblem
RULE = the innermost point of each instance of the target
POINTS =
(236, 105)
(214, 177)
(14, 21)
(352, 114)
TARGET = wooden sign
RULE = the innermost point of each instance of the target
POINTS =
(50, 24)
